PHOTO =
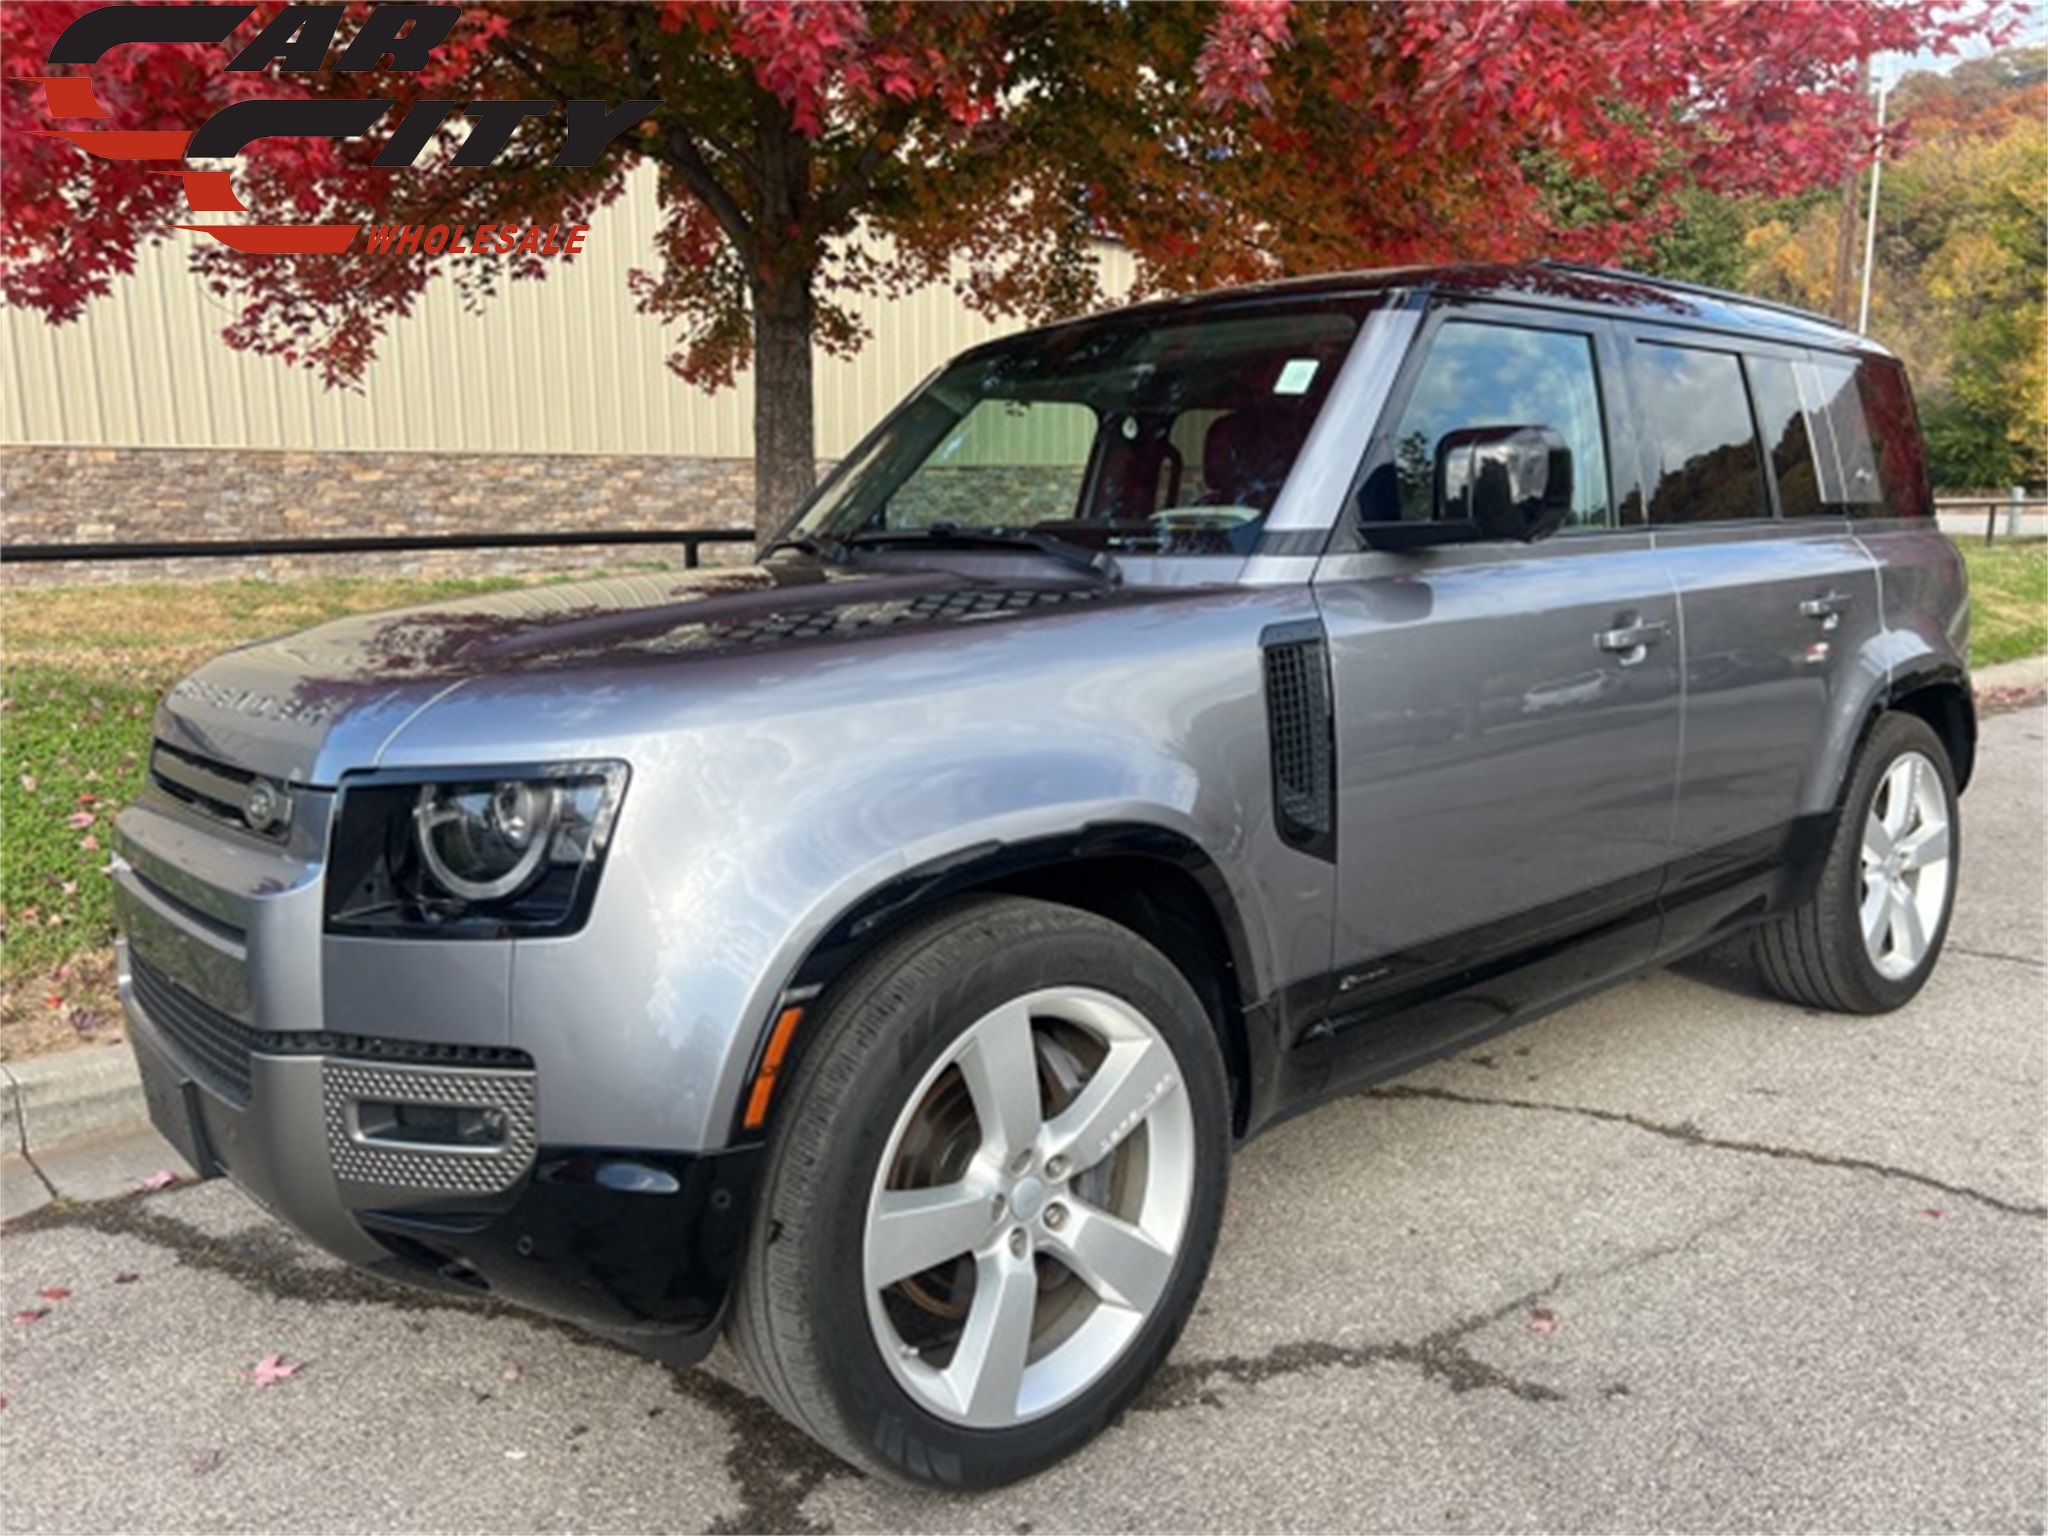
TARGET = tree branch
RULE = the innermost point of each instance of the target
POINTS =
(681, 155)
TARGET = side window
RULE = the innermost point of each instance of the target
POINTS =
(1853, 489)
(1708, 468)
(1901, 464)
(1788, 436)
(1482, 375)
(1006, 462)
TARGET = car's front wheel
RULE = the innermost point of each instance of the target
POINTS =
(991, 1197)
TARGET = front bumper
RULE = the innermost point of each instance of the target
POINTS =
(421, 1163)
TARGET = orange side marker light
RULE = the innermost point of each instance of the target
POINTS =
(771, 1064)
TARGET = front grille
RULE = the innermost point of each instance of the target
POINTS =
(221, 792)
(217, 1048)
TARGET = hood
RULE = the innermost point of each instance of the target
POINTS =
(297, 707)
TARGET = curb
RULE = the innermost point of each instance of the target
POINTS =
(73, 1096)
(50, 1101)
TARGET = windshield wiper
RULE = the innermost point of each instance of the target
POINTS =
(829, 550)
(953, 535)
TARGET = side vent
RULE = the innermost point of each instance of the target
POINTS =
(1302, 737)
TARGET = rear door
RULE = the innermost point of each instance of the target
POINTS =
(1777, 597)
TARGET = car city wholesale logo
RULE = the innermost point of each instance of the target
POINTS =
(299, 39)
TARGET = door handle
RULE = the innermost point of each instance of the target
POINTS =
(1632, 642)
(1827, 608)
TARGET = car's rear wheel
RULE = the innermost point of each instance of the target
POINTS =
(991, 1197)
(1867, 939)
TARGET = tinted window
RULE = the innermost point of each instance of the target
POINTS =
(1503, 376)
(1853, 488)
(1888, 407)
(1788, 437)
(1706, 467)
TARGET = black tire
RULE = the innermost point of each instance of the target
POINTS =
(876, 1373)
(1818, 954)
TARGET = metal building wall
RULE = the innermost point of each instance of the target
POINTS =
(564, 366)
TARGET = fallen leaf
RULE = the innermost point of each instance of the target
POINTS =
(53, 1002)
(78, 821)
(208, 1460)
(1934, 1211)
(127, 1277)
(28, 783)
(272, 1369)
(4, 1400)
(31, 1314)
(163, 1178)
(1542, 1320)
(511, 1373)
(55, 1293)
(89, 843)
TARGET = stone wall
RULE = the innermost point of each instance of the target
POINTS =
(55, 495)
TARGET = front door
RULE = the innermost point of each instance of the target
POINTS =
(1507, 715)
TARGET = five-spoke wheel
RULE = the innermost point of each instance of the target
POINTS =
(1868, 936)
(992, 1198)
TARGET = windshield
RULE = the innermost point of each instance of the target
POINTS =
(1142, 434)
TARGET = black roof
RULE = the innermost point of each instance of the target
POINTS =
(1554, 284)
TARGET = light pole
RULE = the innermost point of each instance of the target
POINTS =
(1870, 222)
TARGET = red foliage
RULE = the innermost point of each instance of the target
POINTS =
(1242, 139)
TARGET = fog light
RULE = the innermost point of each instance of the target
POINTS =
(458, 1126)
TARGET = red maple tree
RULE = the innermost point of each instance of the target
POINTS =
(811, 149)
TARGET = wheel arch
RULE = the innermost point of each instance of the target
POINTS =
(1941, 698)
(1154, 882)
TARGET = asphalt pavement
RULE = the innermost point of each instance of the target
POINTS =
(1678, 1258)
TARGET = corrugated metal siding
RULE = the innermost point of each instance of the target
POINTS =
(561, 366)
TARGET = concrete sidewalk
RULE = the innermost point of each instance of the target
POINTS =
(75, 1126)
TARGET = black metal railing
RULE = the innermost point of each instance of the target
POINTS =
(692, 539)
(2014, 507)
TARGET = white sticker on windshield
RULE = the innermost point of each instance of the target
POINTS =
(1296, 377)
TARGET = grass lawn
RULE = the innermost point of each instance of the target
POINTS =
(84, 669)
(2008, 600)
(85, 665)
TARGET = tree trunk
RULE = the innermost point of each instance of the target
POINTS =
(784, 432)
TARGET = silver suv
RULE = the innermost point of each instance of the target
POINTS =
(1160, 723)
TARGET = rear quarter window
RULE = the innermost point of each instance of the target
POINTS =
(1895, 430)
(1879, 468)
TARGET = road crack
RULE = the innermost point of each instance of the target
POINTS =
(1441, 1356)
(1688, 1134)
(2031, 962)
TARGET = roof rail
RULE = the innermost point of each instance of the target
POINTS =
(1589, 269)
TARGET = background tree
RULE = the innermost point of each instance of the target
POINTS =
(806, 149)
(1961, 263)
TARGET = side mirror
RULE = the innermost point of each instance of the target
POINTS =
(1507, 482)
(1491, 483)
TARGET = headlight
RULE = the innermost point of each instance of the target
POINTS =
(483, 843)
(483, 856)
